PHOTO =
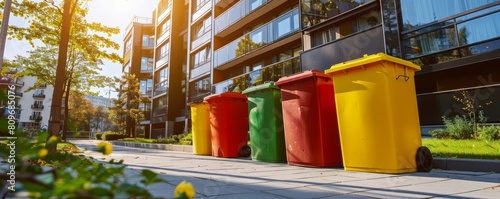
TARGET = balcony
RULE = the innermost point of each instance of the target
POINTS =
(9, 81)
(36, 117)
(164, 36)
(137, 19)
(201, 10)
(201, 40)
(269, 73)
(279, 28)
(165, 12)
(18, 94)
(201, 69)
(370, 41)
(235, 13)
(160, 89)
(223, 3)
(37, 106)
(39, 95)
(42, 86)
(162, 61)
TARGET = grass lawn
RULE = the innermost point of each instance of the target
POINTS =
(476, 149)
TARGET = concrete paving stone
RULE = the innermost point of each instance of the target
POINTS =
(245, 196)
(267, 186)
(489, 193)
(303, 192)
(210, 191)
(432, 189)
(492, 176)
(161, 190)
(346, 196)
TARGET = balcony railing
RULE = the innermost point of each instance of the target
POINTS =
(278, 28)
(162, 61)
(137, 19)
(36, 117)
(344, 49)
(164, 36)
(269, 73)
(201, 10)
(43, 86)
(235, 13)
(165, 12)
(18, 94)
(37, 106)
(201, 40)
(38, 95)
(160, 90)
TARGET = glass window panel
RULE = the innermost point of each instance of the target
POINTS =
(421, 12)
(431, 42)
(479, 29)
(283, 26)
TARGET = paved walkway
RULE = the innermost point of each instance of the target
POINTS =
(243, 178)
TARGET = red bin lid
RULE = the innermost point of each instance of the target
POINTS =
(299, 76)
(226, 94)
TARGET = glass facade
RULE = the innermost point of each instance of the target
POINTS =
(148, 40)
(269, 33)
(199, 89)
(146, 64)
(449, 31)
(236, 12)
(317, 11)
(161, 82)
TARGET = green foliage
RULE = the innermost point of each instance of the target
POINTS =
(489, 132)
(98, 136)
(460, 127)
(439, 133)
(65, 175)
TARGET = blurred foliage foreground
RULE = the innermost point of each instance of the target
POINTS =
(28, 168)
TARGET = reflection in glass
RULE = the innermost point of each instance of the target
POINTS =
(317, 11)
(479, 29)
(421, 12)
(431, 42)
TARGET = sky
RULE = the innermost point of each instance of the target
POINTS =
(113, 13)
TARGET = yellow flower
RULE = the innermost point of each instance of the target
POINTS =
(184, 190)
(53, 139)
(42, 153)
(105, 148)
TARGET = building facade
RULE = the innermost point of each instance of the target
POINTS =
(32, 110)
(100, 101)
(212, 46)
(138, 55)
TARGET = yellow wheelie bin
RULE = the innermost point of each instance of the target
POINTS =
(378, 116)
(200, 119)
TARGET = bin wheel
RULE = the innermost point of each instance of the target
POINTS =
(424, 159)
(244, 151)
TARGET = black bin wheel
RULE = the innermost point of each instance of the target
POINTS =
(244, 151)
(424, 159)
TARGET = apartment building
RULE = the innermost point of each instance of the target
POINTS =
(204, 47)
(100, 101)
(32, 109)
(138, 59)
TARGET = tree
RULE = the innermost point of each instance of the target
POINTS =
(82, 112)
(80, 43)
(126, 109)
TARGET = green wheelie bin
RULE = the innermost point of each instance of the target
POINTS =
(267, 140)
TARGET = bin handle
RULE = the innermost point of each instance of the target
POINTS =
(405, 76)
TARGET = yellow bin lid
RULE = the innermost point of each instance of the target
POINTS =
(368, 59)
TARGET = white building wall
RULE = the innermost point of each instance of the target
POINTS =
(27, 100)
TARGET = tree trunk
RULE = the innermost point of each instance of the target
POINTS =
(55, 110)
(5, 27)
(66, 108)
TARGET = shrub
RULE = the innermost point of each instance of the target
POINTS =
(490, 132)
(109, 135)
(459, 127)
(98, 136)
(439, 133)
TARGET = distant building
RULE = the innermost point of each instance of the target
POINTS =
(100, 101)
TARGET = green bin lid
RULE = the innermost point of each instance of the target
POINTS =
(367, 59)
(226, 94)
(267, 85)
(299, 76)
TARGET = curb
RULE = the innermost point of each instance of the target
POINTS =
(167, 147)
(458, 164)
(461, 164)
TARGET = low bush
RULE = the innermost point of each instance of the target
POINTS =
(460, 127)
(109, 135)
(98, 136)
(439, 133)
(490, 132)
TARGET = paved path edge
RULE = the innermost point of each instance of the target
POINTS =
(458, 164)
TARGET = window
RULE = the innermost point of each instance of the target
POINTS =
(146, 86)
(164, 50)
(200, 3)
(148, 40)
(202, 28)
(165, 27)
(128, 45)
(38, 93)
(200, 87)
(161, 75)
(417, 13)
(201, 57)
(146, 64)
(317, 11)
